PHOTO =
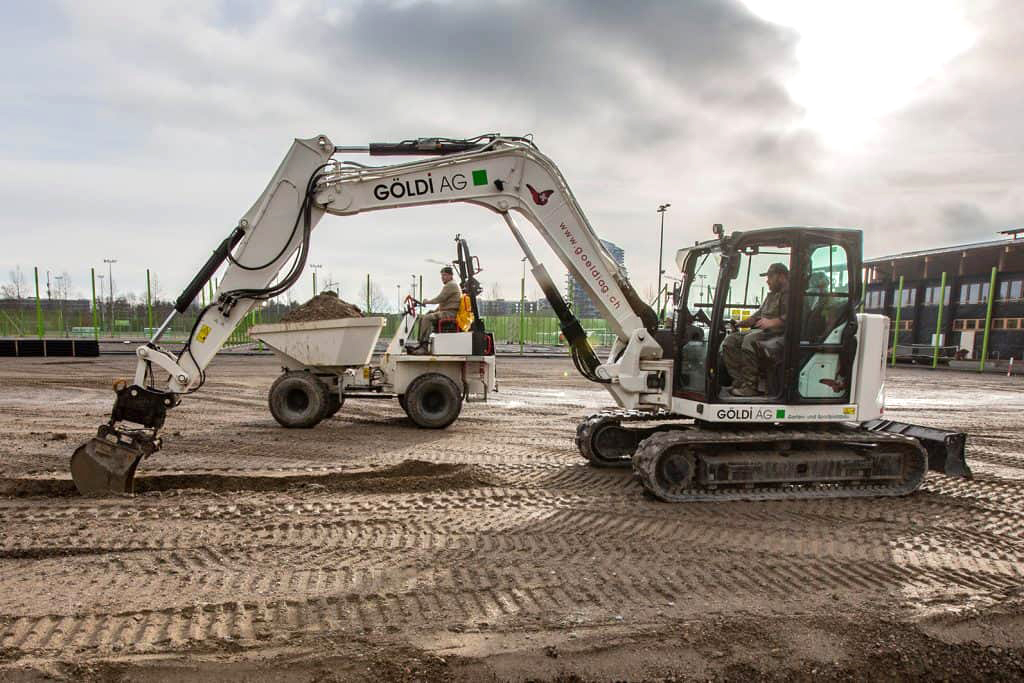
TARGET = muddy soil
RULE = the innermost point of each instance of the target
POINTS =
(324, 306)
(367, 549)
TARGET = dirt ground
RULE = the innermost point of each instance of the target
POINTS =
(366, 549)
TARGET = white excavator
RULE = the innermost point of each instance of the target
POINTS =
(811, 427)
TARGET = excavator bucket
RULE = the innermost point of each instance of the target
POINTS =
(945, 449)
(106, 464)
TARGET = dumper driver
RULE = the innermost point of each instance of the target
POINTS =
(447, 301)
(766, 326)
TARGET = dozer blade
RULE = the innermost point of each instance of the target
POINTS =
(945, 449)
(106, 464)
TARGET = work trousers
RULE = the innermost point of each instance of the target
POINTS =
(428, 323)
(740, 356)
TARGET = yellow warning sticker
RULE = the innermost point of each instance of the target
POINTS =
(740, 313)
(204, 332)
(849, 410)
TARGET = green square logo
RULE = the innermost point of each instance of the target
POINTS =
(480, 177)
(780, 414)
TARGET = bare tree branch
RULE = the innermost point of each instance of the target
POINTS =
(18, 286)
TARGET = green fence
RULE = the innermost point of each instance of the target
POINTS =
(133, 315)
(74, 319)
(543, 330)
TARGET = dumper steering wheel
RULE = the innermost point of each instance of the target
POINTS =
(411, 304)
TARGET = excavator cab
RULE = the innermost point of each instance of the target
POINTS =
(803, 283)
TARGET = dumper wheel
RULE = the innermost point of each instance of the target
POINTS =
(433, 401)
(333, 405)
(298, 400)
(402, 403)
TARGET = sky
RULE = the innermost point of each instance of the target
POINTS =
(142, 131)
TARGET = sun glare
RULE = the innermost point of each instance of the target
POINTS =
(859, 61)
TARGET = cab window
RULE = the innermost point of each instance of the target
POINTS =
(825, 363)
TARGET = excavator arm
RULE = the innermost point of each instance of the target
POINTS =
(505, 175)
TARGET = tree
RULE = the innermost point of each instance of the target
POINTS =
(18, 287)
(62, 286)
(378, 302)
(156, 291)
(333, 285)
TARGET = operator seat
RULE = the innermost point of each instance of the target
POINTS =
(456, 322)
(447, 324)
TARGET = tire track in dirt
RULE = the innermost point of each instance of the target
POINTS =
(970, 508)
(462, 596)
(559, 539)
(995, 454)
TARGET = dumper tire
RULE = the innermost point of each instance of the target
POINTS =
(433, 401)
(333, 405)
(298, 400)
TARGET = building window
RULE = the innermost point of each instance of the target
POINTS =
(975, 293)
(1010, 290)
(908, 297)
(931, 296)
(1011, 323)
(970, 324)
(958, 324)
(998, 323)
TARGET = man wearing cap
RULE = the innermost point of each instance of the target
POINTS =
(447, 301)
(821, 313)
(767, 322)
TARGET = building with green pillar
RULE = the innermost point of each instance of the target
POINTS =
(977, 274)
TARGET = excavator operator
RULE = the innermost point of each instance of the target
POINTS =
(447, 300)
(767, 323)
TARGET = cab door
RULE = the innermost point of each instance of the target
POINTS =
(827, 287)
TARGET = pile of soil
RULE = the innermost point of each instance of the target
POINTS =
(324, 306)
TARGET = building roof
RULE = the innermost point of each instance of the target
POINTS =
(944, 250)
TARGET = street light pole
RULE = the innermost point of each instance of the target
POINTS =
(315, 267)
(101, 276)
(59, 279)
(522, 307)
(398, 299)
(110, 288)
(661, 244)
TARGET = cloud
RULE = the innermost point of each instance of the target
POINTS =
(177, 114)
(143, 131)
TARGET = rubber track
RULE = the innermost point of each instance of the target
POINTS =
(645, 463)
(586, 429)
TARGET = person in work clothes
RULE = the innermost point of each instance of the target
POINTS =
(447, 301)
(767, 323)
